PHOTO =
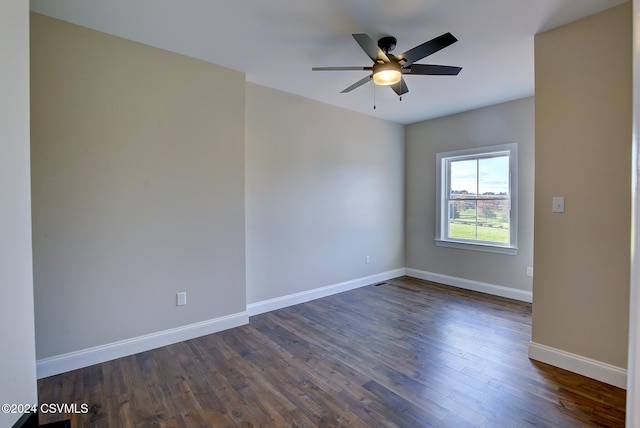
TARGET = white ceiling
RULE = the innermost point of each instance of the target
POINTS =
(276, 43)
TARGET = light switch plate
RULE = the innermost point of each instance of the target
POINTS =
(558, 204)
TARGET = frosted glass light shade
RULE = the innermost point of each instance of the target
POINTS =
(386, 74)
(387, 77)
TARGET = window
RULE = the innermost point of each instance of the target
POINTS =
(476, 199)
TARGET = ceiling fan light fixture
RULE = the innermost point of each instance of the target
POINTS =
(386, 74)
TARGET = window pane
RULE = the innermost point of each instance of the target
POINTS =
(479, 220)
(493, 221)
(464, 178)
(493, 176)
(477, 199)
(462, 219)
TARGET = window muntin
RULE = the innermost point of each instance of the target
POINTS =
(475, 201)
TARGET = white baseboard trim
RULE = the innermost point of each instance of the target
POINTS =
(594, 369)
(469, 284)
(316, 293)
(99, 354)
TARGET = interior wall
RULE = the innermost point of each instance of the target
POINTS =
(17, 361)
(138, 188)
(324, 190)
(583, 152)
(633, 379)
(503, 123)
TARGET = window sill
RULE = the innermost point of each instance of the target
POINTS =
(512, 251)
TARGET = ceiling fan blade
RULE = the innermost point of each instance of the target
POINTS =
(370, 47)
(432, 70)
(357, 84)
(426, 49)
(340, 68)
(400, 88)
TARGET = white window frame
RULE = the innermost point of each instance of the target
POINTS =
(443, 161)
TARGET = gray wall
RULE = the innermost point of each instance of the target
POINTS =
(138, 188)
(324, 190)
(583, 152)
(503, 123)
(17, 356)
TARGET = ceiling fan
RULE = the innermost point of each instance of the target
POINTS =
(388, 69)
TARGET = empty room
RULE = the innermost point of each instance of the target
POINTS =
(318, 213)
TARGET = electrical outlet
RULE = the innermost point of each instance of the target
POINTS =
(181, 298)
(529, 271)
(367, 259)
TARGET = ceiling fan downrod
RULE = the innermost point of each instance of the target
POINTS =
(387, 44)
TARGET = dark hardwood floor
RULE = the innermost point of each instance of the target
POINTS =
(408, 353)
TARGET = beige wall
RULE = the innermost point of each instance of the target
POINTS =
(17, 355)
(138, 188)
(511, 122)
(324, 190)
(583, 152)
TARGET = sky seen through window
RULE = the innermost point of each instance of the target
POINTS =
(481, 176)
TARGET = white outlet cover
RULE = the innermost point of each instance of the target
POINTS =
(181, 299)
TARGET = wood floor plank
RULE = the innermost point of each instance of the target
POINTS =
(94, 395)
(407, 353)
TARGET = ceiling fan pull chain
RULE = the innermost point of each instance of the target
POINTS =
(374, 97)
